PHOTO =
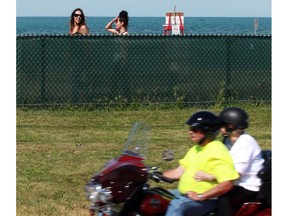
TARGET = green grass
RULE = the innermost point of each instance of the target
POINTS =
(59, 150)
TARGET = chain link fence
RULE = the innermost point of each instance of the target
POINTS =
(142, 69)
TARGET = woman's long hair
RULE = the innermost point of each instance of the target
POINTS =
(72, 19)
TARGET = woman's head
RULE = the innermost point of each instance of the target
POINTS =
(123, 18)
(77, 17)
(233, 118)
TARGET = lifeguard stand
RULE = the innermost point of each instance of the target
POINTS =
(174, 23)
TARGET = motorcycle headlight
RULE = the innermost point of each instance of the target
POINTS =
(98, 194)
(105, 195)
(92, 192)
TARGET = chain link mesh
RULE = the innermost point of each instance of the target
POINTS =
(106, 69)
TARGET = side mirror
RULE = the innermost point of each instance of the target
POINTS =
(168, 155)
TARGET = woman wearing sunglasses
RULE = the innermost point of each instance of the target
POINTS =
(77, 23)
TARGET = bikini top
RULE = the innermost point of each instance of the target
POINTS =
(124, 33)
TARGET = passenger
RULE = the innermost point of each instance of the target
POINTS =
(195, 197)
(77, 23)
(121, 23)
(247, 157)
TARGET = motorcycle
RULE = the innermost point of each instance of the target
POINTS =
(122, 187)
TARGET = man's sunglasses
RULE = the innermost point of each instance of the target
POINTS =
(193, 129)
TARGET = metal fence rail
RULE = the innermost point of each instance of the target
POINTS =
(104, 69)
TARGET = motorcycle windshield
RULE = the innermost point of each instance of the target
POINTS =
(138, 140)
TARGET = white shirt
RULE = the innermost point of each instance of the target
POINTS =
(248, 161)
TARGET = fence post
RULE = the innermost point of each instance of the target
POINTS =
(228, 69)
(43, 71)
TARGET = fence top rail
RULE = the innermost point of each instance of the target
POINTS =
(143, 35)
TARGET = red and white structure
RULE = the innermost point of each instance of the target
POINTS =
(174, 23)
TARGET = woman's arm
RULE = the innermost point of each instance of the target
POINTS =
(109, 26)
(203, 176)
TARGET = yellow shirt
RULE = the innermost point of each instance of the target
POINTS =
(213, 158)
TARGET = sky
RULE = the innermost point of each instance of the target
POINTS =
(142, 8)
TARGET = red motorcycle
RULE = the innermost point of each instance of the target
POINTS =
(121, 188)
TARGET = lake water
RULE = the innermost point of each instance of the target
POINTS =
(148, 25)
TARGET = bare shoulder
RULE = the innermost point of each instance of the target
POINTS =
(83, 27)
(84, 30)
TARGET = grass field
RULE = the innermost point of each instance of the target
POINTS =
(59, 150)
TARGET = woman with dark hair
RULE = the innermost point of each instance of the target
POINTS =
(77, 23)
(121, 23)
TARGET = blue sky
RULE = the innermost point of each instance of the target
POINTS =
(197, 8)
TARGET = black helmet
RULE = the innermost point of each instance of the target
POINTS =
(234, 116)
(207, 122)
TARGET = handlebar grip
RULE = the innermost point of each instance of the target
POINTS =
(158, 177)
(167, 179)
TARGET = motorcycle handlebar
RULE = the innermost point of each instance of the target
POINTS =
(158, 176)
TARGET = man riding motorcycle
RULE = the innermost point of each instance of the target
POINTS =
(209, 155)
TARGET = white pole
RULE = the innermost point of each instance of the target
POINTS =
(255, 25)
(174, 14)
